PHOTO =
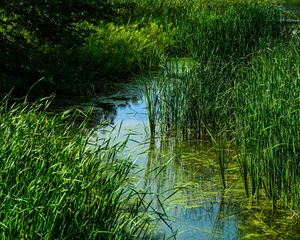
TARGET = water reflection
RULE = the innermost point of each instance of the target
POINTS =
(185, 176)
(104, 108)
(198, 210)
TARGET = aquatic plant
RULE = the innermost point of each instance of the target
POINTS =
(151, 92)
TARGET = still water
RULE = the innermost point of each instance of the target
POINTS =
(185, 176)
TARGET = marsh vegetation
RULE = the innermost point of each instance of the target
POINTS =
(222, 72)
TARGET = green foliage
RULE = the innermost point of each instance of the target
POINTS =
(36, 37)
(81, 52)
(119, 50)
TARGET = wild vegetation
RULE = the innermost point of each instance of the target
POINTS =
(74, 47)
(239, 88)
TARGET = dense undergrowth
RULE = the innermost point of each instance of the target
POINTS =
(79, 54)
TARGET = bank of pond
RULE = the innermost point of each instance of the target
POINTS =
(199, 140)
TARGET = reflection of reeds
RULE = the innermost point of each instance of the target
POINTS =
(219, 144)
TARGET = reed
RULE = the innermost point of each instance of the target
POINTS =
(267, 115)
(58, 183)
(152, 92)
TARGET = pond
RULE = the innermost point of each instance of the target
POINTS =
(185, 175)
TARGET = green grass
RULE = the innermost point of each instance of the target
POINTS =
(58, 182)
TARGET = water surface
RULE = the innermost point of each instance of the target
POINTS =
(185, 175)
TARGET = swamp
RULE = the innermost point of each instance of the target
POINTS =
(139, 119)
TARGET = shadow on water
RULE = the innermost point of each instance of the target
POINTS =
(104, 108)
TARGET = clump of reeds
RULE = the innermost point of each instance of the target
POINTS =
(57, 183)
(268, 124)
(165, 100)
(221, 39)
(152, 98)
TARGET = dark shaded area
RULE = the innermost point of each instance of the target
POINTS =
(41, 39)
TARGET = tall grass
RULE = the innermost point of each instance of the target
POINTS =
(57, 183)
(268, 124)
(221, 38)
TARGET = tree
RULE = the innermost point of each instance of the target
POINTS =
(54, 21)
(31, 30)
